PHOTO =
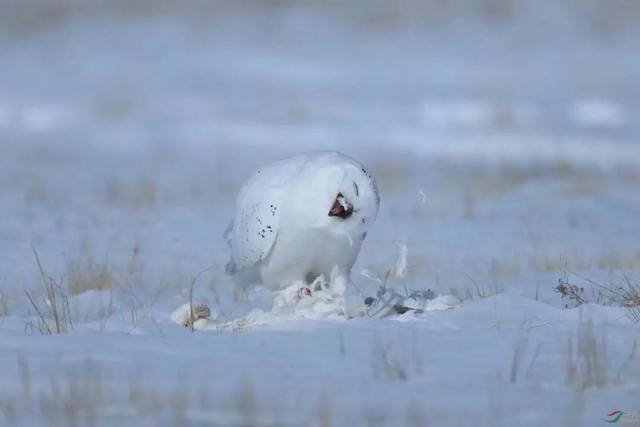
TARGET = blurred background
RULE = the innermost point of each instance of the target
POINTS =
(504, 133)
(505, 138)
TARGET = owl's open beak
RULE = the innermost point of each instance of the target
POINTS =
(341, 207)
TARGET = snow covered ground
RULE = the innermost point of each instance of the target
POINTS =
(505, 139)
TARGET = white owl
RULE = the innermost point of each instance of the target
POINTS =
(300, 218)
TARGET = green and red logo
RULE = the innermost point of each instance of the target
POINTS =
(613, 417)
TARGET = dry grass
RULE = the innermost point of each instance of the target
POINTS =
(586, 364)
(570, 292)
(387, 366)
(397, 363)
(87, 393)
(84, 394)
(54, 315)
(625, 295)
(4, 304)
(26, 18)
(51, 300)
(480, 289)
(85, 274)
(140, 194)
(521, 347)
(608, 259)
(588, 361)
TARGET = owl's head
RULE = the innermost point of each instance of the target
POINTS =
(352, 202)
(336, 193)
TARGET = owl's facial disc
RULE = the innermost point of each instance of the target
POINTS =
(341, 207)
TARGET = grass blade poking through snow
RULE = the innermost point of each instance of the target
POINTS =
(55, 299)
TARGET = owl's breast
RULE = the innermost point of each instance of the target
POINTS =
(298, 254)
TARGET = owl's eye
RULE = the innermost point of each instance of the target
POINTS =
(341, 207)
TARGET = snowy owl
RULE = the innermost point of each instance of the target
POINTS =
(301, 218)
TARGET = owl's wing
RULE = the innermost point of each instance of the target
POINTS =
(254, 232)
(258, 213)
